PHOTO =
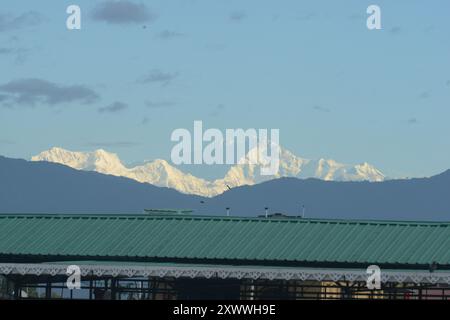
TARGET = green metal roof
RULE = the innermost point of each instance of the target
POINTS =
(180, 238)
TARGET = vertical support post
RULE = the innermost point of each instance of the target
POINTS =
(48, 290)
(420, 292)
(17, 289)
(113, 289)
(91, 284)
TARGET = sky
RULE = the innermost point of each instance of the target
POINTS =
(138, 70)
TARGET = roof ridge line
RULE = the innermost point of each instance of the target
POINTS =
(223, 218)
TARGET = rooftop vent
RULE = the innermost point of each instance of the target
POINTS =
(160, 212)
(278, 215)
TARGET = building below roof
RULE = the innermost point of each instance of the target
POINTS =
(177, 247)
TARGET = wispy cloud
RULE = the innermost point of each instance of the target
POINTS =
(122, 12)
(356, 16)
(6, 141)
(114, 107)
(19, 54)
(307, 16)
(145, 121)
(32, 91)
(112, 144)
(429, 29)
(168, 34)
(424, 95)
(27, 19)
(217, 110)
(159, 77)
(215, 47)
(3, 97)
(321, 109)
(237, 16)
(413, 121)
(159, 104)
(395, 30)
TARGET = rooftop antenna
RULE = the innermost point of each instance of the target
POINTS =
(267, 211)
(433, 266)
(228, 212)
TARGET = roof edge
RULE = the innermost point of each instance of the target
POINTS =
(222, 218)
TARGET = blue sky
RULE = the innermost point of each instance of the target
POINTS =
(310, 68)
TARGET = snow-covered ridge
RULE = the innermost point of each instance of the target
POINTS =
(161, 173)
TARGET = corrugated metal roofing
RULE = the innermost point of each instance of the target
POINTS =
(138, 237)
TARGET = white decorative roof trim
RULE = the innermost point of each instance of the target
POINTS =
(226, 272)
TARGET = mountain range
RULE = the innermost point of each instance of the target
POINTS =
(44, 187)
(162, 174)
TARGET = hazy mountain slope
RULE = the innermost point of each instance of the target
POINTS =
(53, 188)
(415, 199)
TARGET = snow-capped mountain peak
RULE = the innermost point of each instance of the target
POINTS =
(98, 160)
(294, 166)
(161, 173)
